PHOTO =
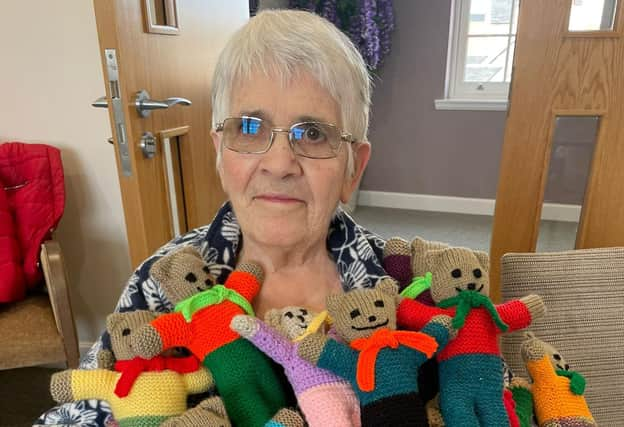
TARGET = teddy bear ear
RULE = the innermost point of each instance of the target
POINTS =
(418, 245)
(484, 259)
(389, 286)
(112, 320)
(433, 258)
(273, 317)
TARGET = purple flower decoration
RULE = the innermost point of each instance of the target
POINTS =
(368, 23)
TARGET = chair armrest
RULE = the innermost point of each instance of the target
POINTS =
(57, 284)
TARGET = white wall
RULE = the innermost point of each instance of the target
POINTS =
(50, 73)
(49, 76)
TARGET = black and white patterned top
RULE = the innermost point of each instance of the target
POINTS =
(356, 251)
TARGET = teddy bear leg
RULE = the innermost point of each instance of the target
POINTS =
(457, 391)
(398, 411)
(247, 383)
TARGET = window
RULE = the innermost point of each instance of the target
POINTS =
(481, 48)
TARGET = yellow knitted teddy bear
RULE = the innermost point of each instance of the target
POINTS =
(140, 392)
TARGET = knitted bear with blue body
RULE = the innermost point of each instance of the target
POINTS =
(380, 362)
(140, 392)
(557, 391)
(324, 398)
(244, 377)
(470, 367)
(406, 262)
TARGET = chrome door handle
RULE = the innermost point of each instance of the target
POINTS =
(144, 105)
(101, 102)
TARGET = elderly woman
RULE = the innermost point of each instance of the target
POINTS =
(291, 98)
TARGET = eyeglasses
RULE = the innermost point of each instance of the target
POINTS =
(251, 135)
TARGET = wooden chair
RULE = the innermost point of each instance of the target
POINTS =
(40, 329)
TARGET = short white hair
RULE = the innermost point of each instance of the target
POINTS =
(281, 43)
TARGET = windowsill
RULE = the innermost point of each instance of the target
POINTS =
(471, 104)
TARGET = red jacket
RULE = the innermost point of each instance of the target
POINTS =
(32, 200)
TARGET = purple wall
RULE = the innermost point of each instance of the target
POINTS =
(417, 149)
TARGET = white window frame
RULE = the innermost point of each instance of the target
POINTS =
(459, 95)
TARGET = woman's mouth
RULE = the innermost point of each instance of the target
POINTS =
(278, 198)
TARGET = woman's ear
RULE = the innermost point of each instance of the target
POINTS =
(216, 140)
(361, 155)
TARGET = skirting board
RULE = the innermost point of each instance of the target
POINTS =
(463, 205)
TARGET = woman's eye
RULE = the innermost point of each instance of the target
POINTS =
(310, 133)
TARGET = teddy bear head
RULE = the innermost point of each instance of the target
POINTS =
(121, 326)
(419, 249)
(362, 312)
(457, 269)
(182, 274)
(556, 359)
(290, 321)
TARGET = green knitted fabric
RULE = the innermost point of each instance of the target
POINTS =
(234, 367)
(467, 300)
(524, 405)
(145, 421)
(418, 286)
(577, 381)
(215, 295)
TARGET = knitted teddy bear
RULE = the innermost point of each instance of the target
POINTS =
(406, 262)
(380, 362)
(324, 398)
(557, 391)
(244, 377)
(140, 392)
(470, 367)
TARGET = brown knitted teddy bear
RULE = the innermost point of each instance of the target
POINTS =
(139, 390)
(380, 362)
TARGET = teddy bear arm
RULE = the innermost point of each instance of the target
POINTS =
(245, 283)
(272, 343)
(414, 315)
(440, 329)
(515, 314)
(199, 381)
(93, 383)
(173, 329)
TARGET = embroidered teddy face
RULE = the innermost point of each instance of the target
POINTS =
(291, 321)
(556, 359)
(120, 327)
(182, 274)
(360, 313)
(455, 270)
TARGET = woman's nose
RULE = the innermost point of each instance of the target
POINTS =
(280, 160)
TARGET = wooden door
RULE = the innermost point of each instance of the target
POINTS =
(168, 49)
(560, 73)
